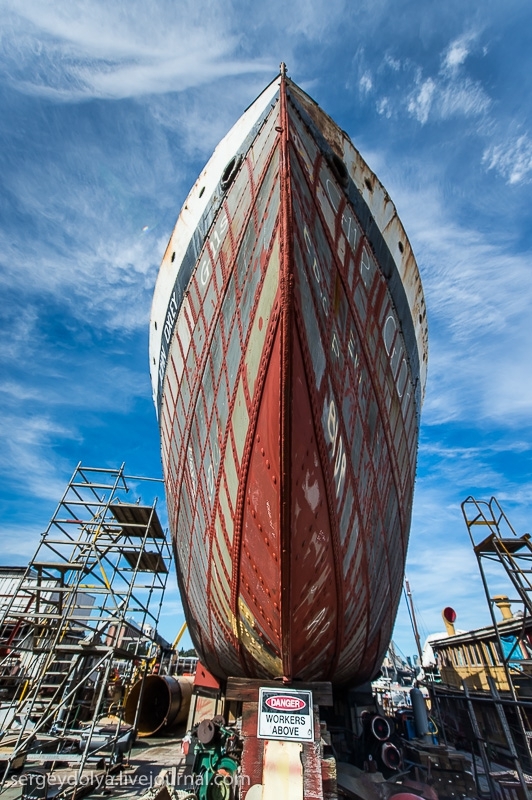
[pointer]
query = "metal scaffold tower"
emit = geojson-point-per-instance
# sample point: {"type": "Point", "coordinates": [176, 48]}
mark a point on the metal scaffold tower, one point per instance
{"type": "Point", "coordinates": [500, 552]}
{"type": "Point", "coordinates": [79, 624]}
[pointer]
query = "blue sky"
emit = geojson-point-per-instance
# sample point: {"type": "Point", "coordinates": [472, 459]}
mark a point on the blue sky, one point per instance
{"type": "Point", "coordinates": [108, 111]}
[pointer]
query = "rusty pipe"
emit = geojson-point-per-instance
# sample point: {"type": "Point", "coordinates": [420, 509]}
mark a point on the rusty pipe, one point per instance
{"type": "Point", "coordinates": [164, 704]}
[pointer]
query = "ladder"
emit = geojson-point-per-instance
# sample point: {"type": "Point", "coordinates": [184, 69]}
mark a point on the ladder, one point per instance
{"type": "Point", "coordinates": [499, 544]}
{"type": "Point", "coordinates": [87, 603]}
{"type": "Point", "coordinates": [499, 548]}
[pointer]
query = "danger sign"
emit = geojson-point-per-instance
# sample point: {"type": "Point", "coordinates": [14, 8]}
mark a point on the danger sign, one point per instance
{"type": "Point", "coordinates": [285, 714]}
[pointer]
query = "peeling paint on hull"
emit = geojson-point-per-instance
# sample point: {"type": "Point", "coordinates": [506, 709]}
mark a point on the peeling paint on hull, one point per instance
{"type": "Point", "coordinates": [289, 349]}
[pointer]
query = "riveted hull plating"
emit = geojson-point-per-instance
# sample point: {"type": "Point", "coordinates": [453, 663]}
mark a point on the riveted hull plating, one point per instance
{"type": "Point", "coordinates": [288, 353]}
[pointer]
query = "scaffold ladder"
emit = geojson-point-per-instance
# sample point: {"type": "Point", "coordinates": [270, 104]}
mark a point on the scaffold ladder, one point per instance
{"type": "Point", "coordinates": [498, 546]}
{"type": "Point", "coordinates": [88, 603]}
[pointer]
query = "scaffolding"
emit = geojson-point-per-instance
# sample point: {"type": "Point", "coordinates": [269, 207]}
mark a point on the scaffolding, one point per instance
{"type": "Point", "coordinates": [500, 552]}
{"type": "Point", "coordinates": [79, 624]}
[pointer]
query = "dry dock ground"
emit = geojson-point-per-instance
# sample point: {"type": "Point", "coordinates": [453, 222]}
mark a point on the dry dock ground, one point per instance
{"type": "Point", "coordinates": [152, 762]}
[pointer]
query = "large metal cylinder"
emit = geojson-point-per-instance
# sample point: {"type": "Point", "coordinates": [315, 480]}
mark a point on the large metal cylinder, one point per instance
{"type": "Point", "coordinates": [421, 719]}
{"type": "Point", "coordinates": [164, 703]}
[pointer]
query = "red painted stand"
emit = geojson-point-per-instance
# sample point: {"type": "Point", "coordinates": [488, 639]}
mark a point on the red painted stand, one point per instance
{"type": "Point", "coordinates": [318, 775]}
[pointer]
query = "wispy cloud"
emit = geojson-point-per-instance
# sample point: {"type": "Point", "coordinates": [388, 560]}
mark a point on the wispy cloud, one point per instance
{"type": "Point", "coordinates": [109, 112]}
{"type": "Point", "coordinates": [79, 50]}
{"type": "Point", "coordinates": [393, 63]}
{"type": "Point", "coordinates": [442, 567]}
{"type": "Point", "coordinates": [366, 83]}
{"type": "Point", "coordinates": [513, 159]}
{"type": "Point", "coordinates": [402, 85]}
{"type": "Point", "coordinates": [99, 50]}
{"type": "Point", "coordinates": [453, 85]}
{"type": "Point", "coordinates": [19, 542]}
{"type": "Point", "coordinates": [384, 107]}
{"type": "Point", "coordinates": [27, 454]}
{"type": "Point", "coordinates": [478, 294]}
{"type": "Point", "coordinates": [449, 93]}
{"type": "Point", "coordinates": [111, 281]}
{"type": "Point", "coordinates": [457, 52]}
{"type": "Point", "coordinates": [466, 98]}
{"type": "Point", "coordinates": [421, 100]}
{"type": "Point", "coordinates": [82, 225]}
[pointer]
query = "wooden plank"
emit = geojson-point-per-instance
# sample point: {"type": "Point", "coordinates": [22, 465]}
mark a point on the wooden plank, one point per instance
{"type": "Point", "coordinates": [328, 778]}
{"type": "Point", "coordinates": [247, 689]}
{"type": "Point", "coordinates": [252, 754]}
{"type": "Point", "coordinates": [311, 760]}
{"type": "Point", "coordinates": [282, 772]}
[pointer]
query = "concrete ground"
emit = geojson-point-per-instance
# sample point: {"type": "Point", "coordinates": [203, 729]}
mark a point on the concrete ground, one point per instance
{"type": "Point", "coordinates": [151, 763]}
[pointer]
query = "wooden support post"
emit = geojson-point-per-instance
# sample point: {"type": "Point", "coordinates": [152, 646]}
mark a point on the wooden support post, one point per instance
{"type": "Point", "coordinates": [278, 769]}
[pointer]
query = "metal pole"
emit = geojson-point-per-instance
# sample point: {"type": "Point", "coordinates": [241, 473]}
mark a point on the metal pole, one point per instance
{"type": "Point", "coordinates": [480, 741]}
{"type": "Point", "coordinates": [434, 695]}
{"type": "Point", "coordinates": [414, 622]}
{"type": "Point", "coordinates": [508, 736]}
{"type": "Point", "coordinates": [137, 710]}
{"type": "Point", "coordinates": [104, 679]}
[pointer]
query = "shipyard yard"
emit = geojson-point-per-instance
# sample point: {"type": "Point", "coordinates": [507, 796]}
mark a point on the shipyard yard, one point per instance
{"type": "Point", "coordinates": [151, 765]}
{"type": "Point", "coordinates": [295, 301]}
{"type": "Point", "coordinates": [100, 757]}
{"type": "Point", "coordinates": [288, 353]}
{"type": "Point", "coordinates": [94, 702]}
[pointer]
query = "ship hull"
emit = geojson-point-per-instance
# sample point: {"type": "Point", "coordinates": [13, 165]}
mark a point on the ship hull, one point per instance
{"type": "Point", "coordinates": [288, 374]}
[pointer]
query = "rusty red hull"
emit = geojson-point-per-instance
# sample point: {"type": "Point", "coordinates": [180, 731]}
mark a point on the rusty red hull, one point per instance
{"type": "Point", "coordinates": [288, 355]}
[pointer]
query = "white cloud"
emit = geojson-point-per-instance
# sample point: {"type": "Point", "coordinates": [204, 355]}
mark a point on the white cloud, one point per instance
{"type": "Point", "coordinates": [111, 281]}
{"type": "Point", "coordinates": [26, 454]}
{"type": "Point", "coordinates": [143, 77]}
{"type": "Point", "coordinates": [465, 98]}
{"type": "Point", "coordinates": [98, 380]}
{"type": "Point", "coordinates": [457, 52]}
{"type": "Point", "coordinates": [79, 49]}
{"type": "Point", "coordinates": [447, 95]}
{"type": "Point", "coordinates": [432, 98]}
{"type": "Point", "coordinates": [311, 18]}
{"type": "Point", "coordinates": [200, 119]}
{"type": "Point", "coordinates": [384, 107]}
{"type": "Point", "coordinates": [19, 542]}
{"type": "Point", "coordinates": [366, 83]}
{"type": "Point", "coordinates": [513, 160]}
{"type": "Point", "coordinates": [456, 464]}
{"type": "Point", "coordinates": [420, 101]}
{"type": "Point", "coordinates": [20, 327]}
{"type": "Point", "coordinates": [478, 293]}
{"type": "Point", "coordinates": [393, 63]}
{"type": "Point", "coordinates": [107, 51]}
{"type": "Point", "coordinates": [70, 50]}
{"type": "Point", "coordinates": [93, 210]}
